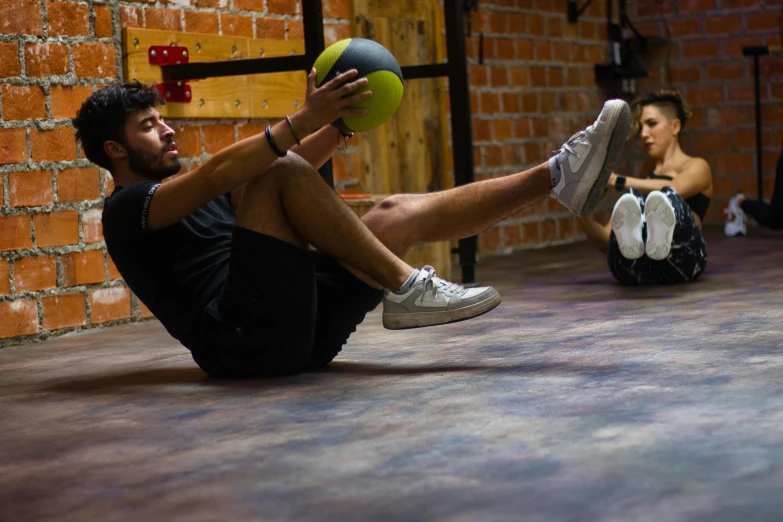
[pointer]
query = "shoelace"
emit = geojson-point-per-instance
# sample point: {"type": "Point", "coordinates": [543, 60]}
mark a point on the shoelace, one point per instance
{"type": "Point", "coordinates": [574, 140]}
{"type": "Point", "coordinates": [437, 284]}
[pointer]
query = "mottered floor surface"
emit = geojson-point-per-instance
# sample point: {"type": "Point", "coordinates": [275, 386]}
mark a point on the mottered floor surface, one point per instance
{"type": "Point", "coordinates": [575, 400]}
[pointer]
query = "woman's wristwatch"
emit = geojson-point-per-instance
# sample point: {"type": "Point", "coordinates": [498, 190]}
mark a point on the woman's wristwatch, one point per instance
{"type": "Point", "coordinates": [619, 183]}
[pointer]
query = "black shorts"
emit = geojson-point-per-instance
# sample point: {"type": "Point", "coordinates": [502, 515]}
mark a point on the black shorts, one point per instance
{"type": "Point", "coordinates": [282, 310]}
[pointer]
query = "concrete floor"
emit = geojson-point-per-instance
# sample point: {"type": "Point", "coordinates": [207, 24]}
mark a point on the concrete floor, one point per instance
{"type": "Point", "coordinates": [575, 400]}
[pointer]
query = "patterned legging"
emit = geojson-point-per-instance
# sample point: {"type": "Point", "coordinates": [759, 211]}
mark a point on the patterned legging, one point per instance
{"type": "Point", "coordinates": [686, 261]}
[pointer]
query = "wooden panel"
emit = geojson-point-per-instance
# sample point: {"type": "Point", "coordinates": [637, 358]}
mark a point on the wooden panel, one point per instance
{"type": "Point", "coordinates": [256, 96]}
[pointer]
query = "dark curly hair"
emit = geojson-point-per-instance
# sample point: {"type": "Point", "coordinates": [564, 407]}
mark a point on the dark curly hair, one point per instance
{"type": "Point", "coordinates": [103, 115]}
{"type": "Point", "coordinates": [669, 102]}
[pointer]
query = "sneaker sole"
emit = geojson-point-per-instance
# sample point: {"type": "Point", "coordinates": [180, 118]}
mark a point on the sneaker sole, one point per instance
{"type": "Point", "coordinates": [614, 144]}
{"type": "Point", "coordinates": [422, 319]}
{"type": "Point", "coordinates": [627, 227]}
{"type": "Point", "coordinates": [661, 221]}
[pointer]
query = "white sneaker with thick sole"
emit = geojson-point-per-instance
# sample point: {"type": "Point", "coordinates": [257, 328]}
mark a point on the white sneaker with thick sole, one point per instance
{"type": "Point", "coordinates": [735, 219]}
{"type": "Point", "coordinates": [627, 226]}
{"type": "Point", "coordinates": [586, 160]}
{"type": "Point", "coordinates": [661, 220]}
{"type": "Point", "coordinates": [431, 301]}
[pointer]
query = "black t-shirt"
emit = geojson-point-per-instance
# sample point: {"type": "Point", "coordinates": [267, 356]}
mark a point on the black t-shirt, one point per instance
{"type": "Point", "coordinates": [177, 270]}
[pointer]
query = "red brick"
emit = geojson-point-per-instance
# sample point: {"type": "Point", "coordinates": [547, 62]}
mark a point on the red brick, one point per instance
{"type": "Point", "coordinates": [705, 95]}
{"type": "Point", "coordinates": [217, 137]}
{"type": "Point", "coordinates": [537, 76]}
{"type": "Point", "coordinates": [131, 17]}
{"type": "Point", "coordinates": [144, 311]}
{"type": "Point", "coordinates": [81, 268]}
{"type": "Point", "coordinates": [56, 228]}
{"type": "Point", "coordinates": [294, 30]}
{"type": "Point", "coordinates": [511, 103]}
{"type": "Point", "coordinates": [20, 317]}
{"type": "Point", "coordinates": [92, 226]}
{"type": "Point", "coordinates": [733, 46]}
{"type": "Point", "coordinates": [709, 141]}
{"type": "Point", "coordinates": [249, 5]}
{"type": "Point", "coordinates": [197, 22]}
{"type": "Point", "coordinates": [64, 311]}
{"type": "Point", "coordinates": [103, 23]}
{"type": "Point", "coordinates": [212, 3]}
{"type": "Point", "coordinates": [695, 6]}
{"type": "Point", "coordinates": [522, 129]}
{"type": "Point", "coordinates": [533, 153]}
{"type": "Point", "coordinates": [35, 273]}
{"type": "Point", "coordinates": [5, 278]}
{"type": "Point", "coordinates": [685, 74]}
{"type": "Point", "coordinates": [531, 233]}
{"type": "Point", "coordinates": [9, 60]}
{"type": "Point", "coordinates": [556, 77]}
{"type": "Point", "coordinates": [725, 116]}
{"type": "Point", "coordinates": [80, 184]}
{"type": "Point", "coordinates": [67, 100]}
{"type": "Point", "coordinates": [94, 60]}
{"type": "Point", "coordinates": [478, 76]}
{"type": "Point", "coordinates": [338, 8]}
{"type": "Point", "coordinates": [733, 164]}
{"type": "Point", "coordinates": [270, 28]}
{"type": "Point", "coordinates": [21, 17]}
{"type": "Point", "coordinates": [490, 103]}
{"type": "Point", "coordinates": [501, 129]}
{"type": "Point", "coordinates": [720, 25]}
{"type": "Point", "coordinates": [745, 139]}
{"type": "Point", "coordinates": [697, 49]}
{"type": "Point", "coordinates": [249, 129]}
{"type": "Point", "coordinates": [530, 102]}
{"type": "Point", "coordinates": [46, 59]}
{"type": "Point", "coordinates": [237, 25]}
{"type": "Point", "coordinates": [13, 146]}
{"type": "Point", "coordinates": [114, 274]}
{"type": "Point", "coordinates": [109, 304]}
{"type": "Point", "coordinates": [15, 233]}
{"type": "Point", "coordinates": [23, 102]}
{"type": "Point", "coordinates": [684, 27]}
{"type": "Point", "coordinates": [489, 241]}
{"type": "Point", "coordinates": [725, 71]}
{"type": "Point", "coordinates": [30, 189]}
{"type": "Point", "coordinates": [481, 130]}
{"type": "Point", "coordinates": [67, 18]}
{"type": "Point", "coordinates": [163, 19]}
{"type": "Point", "coordinates": [53, 145]}
{"type": "Point", "coordinates": [762, 21]}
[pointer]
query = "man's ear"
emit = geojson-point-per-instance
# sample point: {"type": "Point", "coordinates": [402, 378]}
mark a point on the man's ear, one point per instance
{"type": "Point", "coordinates": [114, 150]}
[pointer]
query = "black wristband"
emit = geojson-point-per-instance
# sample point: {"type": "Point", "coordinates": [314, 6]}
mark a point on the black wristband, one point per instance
{"type": "Point", "coordinates": [619, 183]}
{"type": "Point", "coordinates": [272, 143]}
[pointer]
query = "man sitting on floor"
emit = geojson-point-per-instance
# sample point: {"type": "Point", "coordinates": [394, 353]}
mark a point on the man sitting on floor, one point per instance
{"type": "Point", "coordinates": [221, 254]}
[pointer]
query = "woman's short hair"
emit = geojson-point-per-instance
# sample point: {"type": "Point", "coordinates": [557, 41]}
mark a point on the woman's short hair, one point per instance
{"type": "Point", "coordinates": [668, 101]}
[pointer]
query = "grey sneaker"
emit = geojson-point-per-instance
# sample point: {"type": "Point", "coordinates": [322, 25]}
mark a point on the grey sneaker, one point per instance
{"type": "Point", "coordinates": [431, 301]}
{"type": "Point", "coordinates": [586, 160]}
{"type": "Point", "coordinates": [661, 220]}
{"type": "Point", "coordinates": [627, 226]}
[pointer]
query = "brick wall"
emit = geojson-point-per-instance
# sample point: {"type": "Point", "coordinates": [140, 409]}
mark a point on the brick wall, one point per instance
{"type": "Point", "coordinates": [533, 91]}
{"type": "Point", "coordinates": [704, 60]}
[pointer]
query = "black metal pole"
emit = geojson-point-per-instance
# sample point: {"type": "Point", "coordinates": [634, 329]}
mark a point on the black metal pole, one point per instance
{"type": "Point", "coordinates": [759, 167]}
{"type": "Point", "coordinates": [461, 131]}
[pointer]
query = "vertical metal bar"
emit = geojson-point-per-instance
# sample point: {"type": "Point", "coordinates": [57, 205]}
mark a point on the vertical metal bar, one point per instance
{"type": "Point", "coordinates": [313, 18]}
{"type": "Point", "coordinates": [759, 167]}
{"type": "Point", "coordinates": [461, 131]}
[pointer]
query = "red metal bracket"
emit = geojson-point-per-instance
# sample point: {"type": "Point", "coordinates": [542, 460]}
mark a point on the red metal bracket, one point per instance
{"type": "Point", "coordinates": [172, 91]}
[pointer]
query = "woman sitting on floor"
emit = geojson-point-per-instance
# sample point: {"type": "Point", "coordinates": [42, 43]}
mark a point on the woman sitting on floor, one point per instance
{"type": "Point", "coordinates": [769, 215]}
{"type": "Point", "coordinates": [654, 235]}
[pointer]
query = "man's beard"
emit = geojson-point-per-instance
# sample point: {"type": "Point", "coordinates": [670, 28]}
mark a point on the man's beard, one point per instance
{"type": "Point", "coordinates": [151, 165]}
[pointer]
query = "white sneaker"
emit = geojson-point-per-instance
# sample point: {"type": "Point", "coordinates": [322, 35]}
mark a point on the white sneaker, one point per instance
{"type": "Point", "coordinates": [585, 161]}
{"type": "Point", "coordinates": [735, 226]}
{"type": "Point", "coordinates": [431, 301]}
{"type": "Point", "coordinates": [627, 226]}
{"type": "Point", "coordinates": [661, 220]}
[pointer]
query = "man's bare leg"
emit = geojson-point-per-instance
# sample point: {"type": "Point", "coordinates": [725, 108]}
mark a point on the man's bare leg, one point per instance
{"type": "Point", "coordinates": [401, 220]}
{"type": "Point", "coordinates": [291, 202]}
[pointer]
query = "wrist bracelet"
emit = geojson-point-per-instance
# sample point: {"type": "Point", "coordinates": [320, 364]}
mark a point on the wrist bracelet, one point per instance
{"type": "Point", "coordinates": [272, 143]}
{"type": "Point", "coordinates": [619, 183]}
{"type": "Point", "coordinates": [345, 136]}
{"type": "Point", "coordinates": [293, 131]}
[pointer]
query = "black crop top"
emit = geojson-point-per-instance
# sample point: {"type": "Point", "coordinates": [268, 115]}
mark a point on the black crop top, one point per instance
{"type": "Point", "coordinates": [698, 203]}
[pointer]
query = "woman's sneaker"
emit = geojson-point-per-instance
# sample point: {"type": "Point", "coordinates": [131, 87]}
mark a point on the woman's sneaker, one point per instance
{"type": "Point", "coordinates": [735, 219]}
{"type": "Point", "coordinates": [661, 220]}
{"type": "Point", "coordinates": [627, 226]}
{"type": "Point", "coordinates": [585, 161]}
{"type": "Point", "coordinates": [430, 301]}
